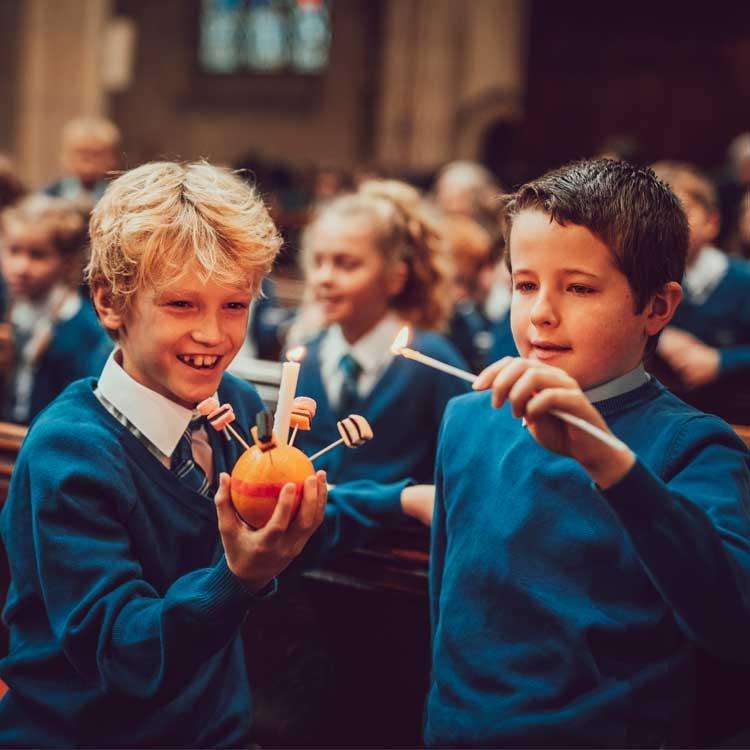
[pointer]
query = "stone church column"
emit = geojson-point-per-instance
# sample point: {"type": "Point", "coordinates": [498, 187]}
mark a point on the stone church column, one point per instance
{"type": "Point", "coordinates": [448, 68]}
{"type": "Point", "coordinates": [59, 77]}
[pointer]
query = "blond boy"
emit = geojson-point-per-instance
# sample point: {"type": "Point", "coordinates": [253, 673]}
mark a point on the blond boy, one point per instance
{"type": "Point", "coordinates": [127, 595]}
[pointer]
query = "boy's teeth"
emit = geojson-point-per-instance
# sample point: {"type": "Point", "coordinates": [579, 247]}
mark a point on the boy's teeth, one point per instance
{"type": "Point", "coordinates": [199, 360]}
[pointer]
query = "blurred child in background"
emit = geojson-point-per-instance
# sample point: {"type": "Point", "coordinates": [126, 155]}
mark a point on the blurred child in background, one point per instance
{"type": "Point", "coordinates": [52, 336]}
{"type": "Point", "coordinates": [11, 186]}
{"type": "Point", "coordinates": [11, 190]}
{"type": "Point", "coordinates": [468, 189]}
{"type": "Point", "coordinates": [479, 338]}
{"type": "Point", "coordinates": [707, 345]}
{"type": "Point", "coordinates": [90, 150]}
{"type": "Point", "coordinates": [373, 264]}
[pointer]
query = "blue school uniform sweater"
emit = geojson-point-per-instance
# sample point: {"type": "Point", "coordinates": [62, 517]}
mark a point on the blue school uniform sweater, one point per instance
{"type": "Point", "coordinates": [723, 319]}
{"type": "Point", "coordinates": [404, 410]}
{"type": "Point", "coordinates": [470, 331]}
{"type": "Point", "coordinates": [78, 349]}
{"type": "Point", "coordinates": [567, 616]}
{"type": "Point", "coordinates": [503, 344]}
{"type": "Point", "coordinates": [124, 618]}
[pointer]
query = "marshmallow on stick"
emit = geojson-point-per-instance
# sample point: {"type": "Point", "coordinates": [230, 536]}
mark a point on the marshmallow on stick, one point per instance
{"type": "Point", "coordinates": [399, 348]}
{"type": "Point", "coordinates": [303, 411]}
{"type": "Point", "coordinates": [355, 430]}
{"type": "Point", "coordinates": [220, 417]}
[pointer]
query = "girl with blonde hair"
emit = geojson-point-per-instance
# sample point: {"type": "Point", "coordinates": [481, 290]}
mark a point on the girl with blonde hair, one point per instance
{"type": "Point", "coordinates": [374, 262]}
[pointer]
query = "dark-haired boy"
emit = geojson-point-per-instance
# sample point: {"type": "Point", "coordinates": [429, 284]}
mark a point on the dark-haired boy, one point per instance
{"type": "Point", "coordinates": [707, 344]}
{"type": "Point", "coordinates": [571, 582]}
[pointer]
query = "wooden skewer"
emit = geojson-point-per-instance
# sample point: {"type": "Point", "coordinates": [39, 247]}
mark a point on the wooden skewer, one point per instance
{"type": "Point", "coordinates": [294, 435]}
{"type": "Point", "coordinates": [326, 449]}
{"type": "Point", "coordinates": [238, 436]}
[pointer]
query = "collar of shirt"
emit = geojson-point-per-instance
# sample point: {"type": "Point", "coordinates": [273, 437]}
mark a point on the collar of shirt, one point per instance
{"type": "Point", "coordinates": [159, 419]}
{"type": "Point", "coordinates": [708, 269]}
{"type": "Point", "coordinates": [372, 352]}
{"type": "Point", "coordinates": [29, 316]}
{"type": "Point", "coordinates": [619, 386]}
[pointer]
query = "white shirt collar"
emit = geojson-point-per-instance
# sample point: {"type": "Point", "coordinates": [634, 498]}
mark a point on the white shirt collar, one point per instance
{"type": "Point", "coordinates": [161, 420]}
{"type": "Point", "coordinates": [619, 386]}
{"type": "Point", "coordinates": [372, 351]}
{"type": "Point", "coordinates": [704, 275]}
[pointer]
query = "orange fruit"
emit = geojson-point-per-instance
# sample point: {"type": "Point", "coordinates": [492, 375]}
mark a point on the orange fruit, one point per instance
{"type": "Point", "coordinates": [257, 479]}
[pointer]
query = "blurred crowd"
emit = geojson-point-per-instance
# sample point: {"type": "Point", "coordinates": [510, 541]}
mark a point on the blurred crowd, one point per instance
{"type": "Point", "coordinates": [360, 246]}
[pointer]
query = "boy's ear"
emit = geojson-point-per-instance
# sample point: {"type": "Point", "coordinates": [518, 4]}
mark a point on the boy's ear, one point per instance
{"type": "Point", "coordinates": [110, 316]}
{"type": "Point", "coordinates": [661, 308]}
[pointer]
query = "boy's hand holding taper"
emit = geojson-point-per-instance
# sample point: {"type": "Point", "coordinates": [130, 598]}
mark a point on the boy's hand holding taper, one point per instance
{"type": "Point", "coordinates": [258, 556]}
{"type": "Point", "coordinates": [534, 389]}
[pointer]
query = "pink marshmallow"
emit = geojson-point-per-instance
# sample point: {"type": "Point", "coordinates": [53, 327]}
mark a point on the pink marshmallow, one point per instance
{"type": "Point", "coordinates": [209, 405]}
{"type": "Point", "coordinates": [221, 417]}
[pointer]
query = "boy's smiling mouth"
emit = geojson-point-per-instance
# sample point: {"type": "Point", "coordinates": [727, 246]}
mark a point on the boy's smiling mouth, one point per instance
{"type": "Point", "coordinates": [200, 361]}
{"type": "Point", "coordinates": [547, 349]}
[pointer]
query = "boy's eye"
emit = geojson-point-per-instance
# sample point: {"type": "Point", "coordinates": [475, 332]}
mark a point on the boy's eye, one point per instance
{"type": "Point", "coordinates": [180, 304]}
{"type": "Point", "coordinates": [525, 286]}
{"type": "Point", "coordinates": [580, 289]}
{"type": "Point", "coordinates": [238, 305]}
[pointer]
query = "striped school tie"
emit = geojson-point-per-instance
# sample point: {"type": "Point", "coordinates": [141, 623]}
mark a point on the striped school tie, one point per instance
{"type": "Point", "coordinates": [185, 466]}
{"type": "Point", "coordinates": [348, 394]}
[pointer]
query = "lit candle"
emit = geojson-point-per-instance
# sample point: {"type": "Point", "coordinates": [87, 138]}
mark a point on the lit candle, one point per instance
{"type": "Point", "coordinates": [399, 347]}
{"type": "Point", "coordinates": [287, 389]}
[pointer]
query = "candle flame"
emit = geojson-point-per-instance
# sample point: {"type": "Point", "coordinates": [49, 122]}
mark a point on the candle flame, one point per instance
{"type": "Point", "coordinates": [401, 340]}
{"type": "Point", "coordinates": [296, 354]}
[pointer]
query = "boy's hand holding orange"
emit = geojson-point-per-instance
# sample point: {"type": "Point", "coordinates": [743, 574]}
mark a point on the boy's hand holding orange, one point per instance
{"type": "Point", "coordinates": [258, 556]}
{"type": "Point", "coordinates": [534, 389]}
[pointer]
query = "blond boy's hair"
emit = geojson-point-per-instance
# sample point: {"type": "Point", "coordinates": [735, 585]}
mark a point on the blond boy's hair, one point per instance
{"type": "Point", "coordinates": [91, 130]}
{"type": "Point", "coordinates": [159, 220]}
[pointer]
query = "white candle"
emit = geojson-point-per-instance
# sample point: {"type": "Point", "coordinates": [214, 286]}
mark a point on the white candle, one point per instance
{"type": "Point", "coordinates": [399, 347]}
{"type": "Point", "coordinates": [287, 390]}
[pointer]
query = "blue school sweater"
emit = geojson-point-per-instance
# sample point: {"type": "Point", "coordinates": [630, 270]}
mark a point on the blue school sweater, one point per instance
{"type": "Point", "coordinates": [404, 410]}
{"type": "Point", "coordinates": [470, 331]}
{"type": "Point", "coordinates": [567, 616]}
{"type": "Point", "coordinates": [503, 344]}
{"type": "Point", "coordinates": [79, 348]}
{"type": "Point", "coordinates": [124, 617]}
{"type": "Point", "coordinates": [723, 319]}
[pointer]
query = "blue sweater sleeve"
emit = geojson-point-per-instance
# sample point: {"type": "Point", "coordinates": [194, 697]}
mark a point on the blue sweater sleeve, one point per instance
{"type": "Point", "coordinates": [355, 511]}
{"type": "Point", "coordinates": [692, 533]}
{"type": "Point", "coordinates": [114, 627]}
{"type": "Point", "coordinates": [734, 359]}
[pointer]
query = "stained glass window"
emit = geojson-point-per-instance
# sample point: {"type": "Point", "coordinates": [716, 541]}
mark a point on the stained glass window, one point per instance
{"type": "Point", "coordinates": [265, 36]}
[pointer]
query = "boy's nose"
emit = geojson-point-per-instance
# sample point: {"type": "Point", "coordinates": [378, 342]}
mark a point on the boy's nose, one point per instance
{"type": "Point", "coordinates": [543, 312]}
{"type": "Point", "coordinates": [209, 331]}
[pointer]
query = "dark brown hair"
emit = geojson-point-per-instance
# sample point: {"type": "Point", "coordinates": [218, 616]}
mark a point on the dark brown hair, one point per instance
{"type": "Point", "coordinates": [635, 214]}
